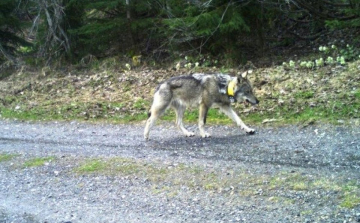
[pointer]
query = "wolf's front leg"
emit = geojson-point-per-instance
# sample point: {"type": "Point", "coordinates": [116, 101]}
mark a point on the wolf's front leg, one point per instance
{"type": "Point", "coordinates": [203, 109]}
{"type": "Point", "coordinates": [231, 114]}
{"type": "Point", "coordinates": [179, 111]}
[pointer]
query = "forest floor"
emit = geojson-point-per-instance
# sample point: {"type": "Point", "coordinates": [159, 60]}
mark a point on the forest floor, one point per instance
{"type": "Point", "coordinates": [110, 93]}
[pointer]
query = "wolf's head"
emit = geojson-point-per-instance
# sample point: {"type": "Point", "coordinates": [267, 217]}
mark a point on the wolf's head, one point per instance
{"type": "Point", "coordinates": [240, 88]}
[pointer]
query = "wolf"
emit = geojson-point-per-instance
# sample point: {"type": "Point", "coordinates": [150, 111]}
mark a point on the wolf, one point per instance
{"type": "Point", "coordinates": [203, 90]}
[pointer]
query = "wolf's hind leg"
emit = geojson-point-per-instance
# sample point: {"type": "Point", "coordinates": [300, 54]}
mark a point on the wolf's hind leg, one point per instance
{"type": "Point", "coordinates": [203, 110]}
{"type": "Point", "coordinates": [231, 114]}
{"type": "Point", "coordinates": [179, 111]}
{"type": "Point", "coordinates": [149, 123]}
{"type": "Point", "coordinates": [157, 109]}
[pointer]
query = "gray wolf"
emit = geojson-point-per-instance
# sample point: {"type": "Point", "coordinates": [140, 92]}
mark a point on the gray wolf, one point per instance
{"type": "Point", "coordinates": [205, 91]}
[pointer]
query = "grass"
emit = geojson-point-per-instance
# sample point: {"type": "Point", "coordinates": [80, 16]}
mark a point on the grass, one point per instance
{"type": "Point", "coordinates": [119, 166]}
{"type": "Point", "coordinates": [32, 115]}
{"type": "Point", "coordinates": [232, 181]}
{"type": "Point", "coordinates": [331, 112]}
{"type": "Point", "coordinates": [351, 194]}
{"type": "Point", "coordinates": [4, 157]}
{"type": "Point", "coordinates": [357, 94]}
{"type": "Point", "coordinates": [304, 94]}
{"type": "Point", "coordinates": [91, 166]}
{"type": "Point", "coordinates": [39, 161]}
{"type": "Point", "coordinates": [350, 200]}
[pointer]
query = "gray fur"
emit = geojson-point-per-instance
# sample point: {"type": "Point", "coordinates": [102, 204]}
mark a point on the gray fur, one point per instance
{"type": "Point", "coordinates": [203, 90]}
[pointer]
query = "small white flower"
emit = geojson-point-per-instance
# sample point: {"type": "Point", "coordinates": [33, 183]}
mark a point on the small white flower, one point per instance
{"type": "Point", "coordinates": [310, 64]}
{"type": "Point", "coordinates": [330, 60]}
{"type": "Point", "coordinates": [342, 61]}
{"type": "Point", "coordinates": [291, 63]}
{"type": "Point", "coordinates": [319, 62]}
{"type": "Point", "coordinates": [196, 64]}
{"type": "Point", "coordinates": [303, 64]}
{"type": "Point", "coordinates": [178, 66]}
{"type": "Point", "coordinates": [128, 66]}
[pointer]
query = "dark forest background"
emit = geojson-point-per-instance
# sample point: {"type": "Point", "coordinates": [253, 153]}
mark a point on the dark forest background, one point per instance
{"type": "Point", "coordinates": [60, 32]}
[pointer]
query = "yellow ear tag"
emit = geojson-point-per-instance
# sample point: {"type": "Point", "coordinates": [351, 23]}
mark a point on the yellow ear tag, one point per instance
{"type": "Point", "coordinates": [231, 87]}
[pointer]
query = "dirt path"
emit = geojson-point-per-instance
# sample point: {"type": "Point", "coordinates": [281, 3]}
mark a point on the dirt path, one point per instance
{"type": "Point", "coordinates": [285, 174]}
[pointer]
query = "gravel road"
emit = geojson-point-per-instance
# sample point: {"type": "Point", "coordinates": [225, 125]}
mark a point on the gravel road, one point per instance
{"type": "Point", "coordinates": [280, 174]}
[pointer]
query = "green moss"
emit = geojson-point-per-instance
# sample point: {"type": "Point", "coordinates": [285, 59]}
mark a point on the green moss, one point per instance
{"type": "Point", "coordinates": [92, 166]}
{"type": "Point", "coordinates": [120, 166]}
{"type": "Point", "coordinates": [350, 200]}
{"type": "Point", "coordinates": [40, 161]}
{"type": "Point", "coordinates": [6, 157]}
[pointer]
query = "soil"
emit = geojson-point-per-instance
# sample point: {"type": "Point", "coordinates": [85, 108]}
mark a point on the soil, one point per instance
{"type": "Point", "coordinates": [279, 174]}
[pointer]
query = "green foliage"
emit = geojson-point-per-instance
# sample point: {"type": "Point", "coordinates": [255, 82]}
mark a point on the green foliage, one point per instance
{"type": "Point", "coordinates": [329, 55]}
{"type": "Point", "coordinates": [105, 29]}
{"type": "Point", "coordinates": [228, 30]}
{"type": "Point", "coordinates": [350, 53]}
{"type": "Point", "coordinates": [210, 29]}
{"type": "Point", "coordinates": [10, 28]}
{"type": "Point", "coordinates": [341, 24]}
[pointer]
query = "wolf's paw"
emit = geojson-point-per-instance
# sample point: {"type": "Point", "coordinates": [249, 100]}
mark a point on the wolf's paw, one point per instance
{"type": "Point", "coordinates": [205, 135]}
{"type": "Point", "coordinates": [250, 131]}
{"type": "Point", "coordinates": [189, 134]}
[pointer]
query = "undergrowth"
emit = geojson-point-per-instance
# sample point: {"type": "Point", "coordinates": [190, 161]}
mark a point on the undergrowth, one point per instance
{"type": "Point", "coordinates": [327, 94]}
